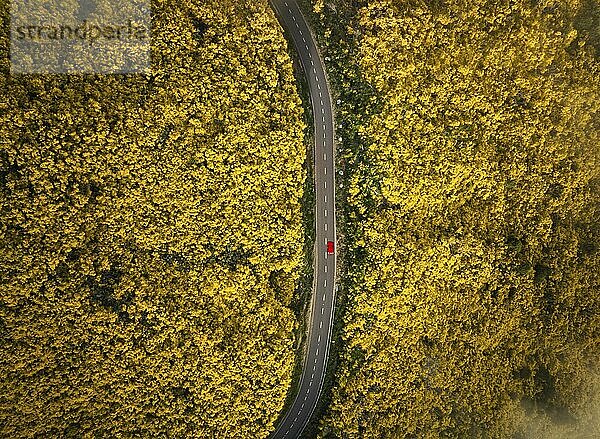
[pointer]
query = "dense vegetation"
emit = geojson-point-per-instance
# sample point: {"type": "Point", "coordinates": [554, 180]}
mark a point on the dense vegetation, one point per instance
{"type": "Point", "coordinates": [474, 207]}
{"type": "Point", "coordinates": [150, 235]}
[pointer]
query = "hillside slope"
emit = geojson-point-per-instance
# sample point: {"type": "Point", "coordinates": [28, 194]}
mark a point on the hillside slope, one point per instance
{"type": "Point", "coordinates": [473, 207]}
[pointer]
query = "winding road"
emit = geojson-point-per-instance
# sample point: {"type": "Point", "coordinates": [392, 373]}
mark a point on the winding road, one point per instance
{"type": "Point", "coordinates": [322, 306]}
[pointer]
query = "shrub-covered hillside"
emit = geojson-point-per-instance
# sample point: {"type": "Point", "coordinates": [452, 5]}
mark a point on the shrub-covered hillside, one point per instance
{"type": "Point", "coordinates": [150, 235]}
{"type": "Point", "coordinates": [474, 210]}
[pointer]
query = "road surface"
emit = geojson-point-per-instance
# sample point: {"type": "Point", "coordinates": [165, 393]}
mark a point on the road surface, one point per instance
{"type": "Point", "coordinates": [321, 316]}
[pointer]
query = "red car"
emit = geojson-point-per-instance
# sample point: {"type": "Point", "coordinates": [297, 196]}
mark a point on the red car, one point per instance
{"type": "Point", "coordinates": [330, 247]}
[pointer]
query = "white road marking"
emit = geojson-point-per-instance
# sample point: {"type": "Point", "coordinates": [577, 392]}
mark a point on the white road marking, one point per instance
{"type": "Point", "coordinates": [325, 184]}
{"type": "Point", "coordinates": [325, 268]}
{"type": "Point", "coordinates": [325, 226]}
{"type": "Point", "coordinates": [323, 111]}
{"type": "Point", "coordinates": [325, 197]}
{"type": "Point", "coordinates": [321, 102]}
{"type": "Point", "coordinates": [322, 311]}
{"type": "Point", "coordinates": [317, 353]}
{"type": "Point", "coordinates": [321, 95]}
{"type": "Point", "coordinates": [321, 324]}
{"type": "Point", "coordinates": [324, 297]}
{"type": "Point", "coordinates": [325, 212]}
{"type": "Point", "coordinates": [325, 171]}
{"type": "Point", "coordinates": [319, 340]}
{"type": "Point", "coordinates": [325, 284]}
{"type": "Point", "coordinates": [325, 156]}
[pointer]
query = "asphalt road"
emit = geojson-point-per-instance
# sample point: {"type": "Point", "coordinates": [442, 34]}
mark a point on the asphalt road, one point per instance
{"type": "Point", "coordinates": [321, 317]}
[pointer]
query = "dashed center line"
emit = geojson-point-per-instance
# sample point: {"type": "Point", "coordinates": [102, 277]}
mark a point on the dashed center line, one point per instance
{"type": "Point", "coordinates": [304, 42]}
